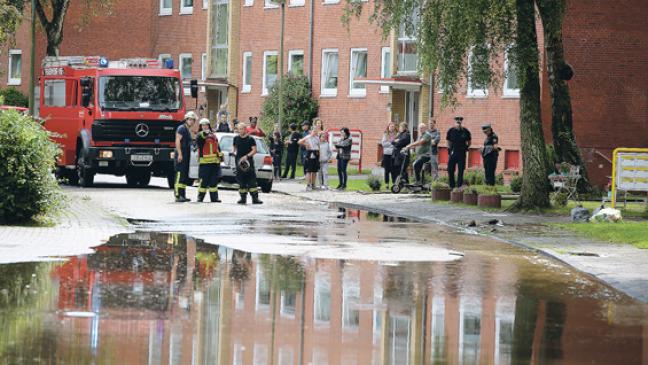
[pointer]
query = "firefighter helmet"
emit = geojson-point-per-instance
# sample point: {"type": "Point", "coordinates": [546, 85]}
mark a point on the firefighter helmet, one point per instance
{"type": "Point", "coordinates": [191, 115]}
{"type": "Point", "coordinates": [205, 121]}
{"type": "Point", "coordinates": [244, 165]}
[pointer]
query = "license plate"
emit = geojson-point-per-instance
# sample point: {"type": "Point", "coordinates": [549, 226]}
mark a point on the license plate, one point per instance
{"type": "Point", "coordinates": [103, 163]}
{"type": "Point", "coordinates": [141, 158]}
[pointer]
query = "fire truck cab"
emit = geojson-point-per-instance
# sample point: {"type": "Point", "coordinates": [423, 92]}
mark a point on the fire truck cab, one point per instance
{"type": "Point", "coordinates": [112, 117]}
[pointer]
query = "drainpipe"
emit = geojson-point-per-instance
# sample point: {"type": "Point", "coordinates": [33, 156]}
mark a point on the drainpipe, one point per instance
{"type": "Point", "coordinates": [310, 44]}
{"type": "Point", "coordinates": [431, 96]}
{"type": "Point", "coordinates": [281, 61]}
{"type": "Point", "coordinates": [32, 60]}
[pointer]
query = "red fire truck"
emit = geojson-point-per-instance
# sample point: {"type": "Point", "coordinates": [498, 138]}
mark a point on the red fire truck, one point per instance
{"type": "Point", "coordinates": [112, 117]}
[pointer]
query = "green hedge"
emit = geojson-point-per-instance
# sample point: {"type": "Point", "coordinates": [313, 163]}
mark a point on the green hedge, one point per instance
{"type": "Point", "coordinates": [14, 97]}
{"type": "Point", "coordinates": [28, 189]}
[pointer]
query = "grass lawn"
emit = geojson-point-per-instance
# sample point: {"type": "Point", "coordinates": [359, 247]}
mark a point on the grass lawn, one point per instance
{"type": "Point", "coordinates": [332, 170]}
{"type": "Point", "coordinates": [634, 233]}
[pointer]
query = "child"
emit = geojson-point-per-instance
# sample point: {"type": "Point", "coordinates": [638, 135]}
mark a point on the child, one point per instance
{"type": "Point", "coordinates": [209, 159]}
{"type": "Point", "coordinates": [244, 149]}
{"type": "Point", "coordinates": [325, 157]}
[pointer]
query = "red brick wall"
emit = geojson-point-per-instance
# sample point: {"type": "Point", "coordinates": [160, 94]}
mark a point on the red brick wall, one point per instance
{"type": "Point", "coordinates": [370, 113]}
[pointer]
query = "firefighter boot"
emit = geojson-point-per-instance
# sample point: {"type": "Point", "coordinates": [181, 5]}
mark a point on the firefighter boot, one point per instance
{"type": "Point", "coordinates": [182, 196]}
{"type": "Point", "coordinates": [255, 198]}
{"type": "Point", "coordinates": [201, 197]}
{"type": "Point", "coordinates": [243, 199]}
{"type": "Point", "coordinates": [213, 196]}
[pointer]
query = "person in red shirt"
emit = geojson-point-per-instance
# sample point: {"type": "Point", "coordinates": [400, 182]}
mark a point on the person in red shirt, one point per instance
{"type": "Point", "coordinates": [254, 129]}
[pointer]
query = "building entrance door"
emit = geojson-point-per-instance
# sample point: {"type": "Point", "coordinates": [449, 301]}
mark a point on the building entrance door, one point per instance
{"type": "Point", "coordinates": [412, 112]}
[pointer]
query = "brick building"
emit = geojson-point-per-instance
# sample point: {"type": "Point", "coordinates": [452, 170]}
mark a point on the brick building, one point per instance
{"type": "Point", "coordinates": [361, 80]}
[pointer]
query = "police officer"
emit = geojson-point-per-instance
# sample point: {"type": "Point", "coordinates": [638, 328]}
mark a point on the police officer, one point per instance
{"type": "Point", "coordinates": [490, 153]}
{"type": "Point", "coordinates": [209, 159]}
{"type": "Point", "coordinates": [182, 156]}
{"type": "Point", "coordinates": [244, 149]}
{"type": "Point", "coordinates": [458, 139]}
{"type": "Point", "coordinates": [292, 149]}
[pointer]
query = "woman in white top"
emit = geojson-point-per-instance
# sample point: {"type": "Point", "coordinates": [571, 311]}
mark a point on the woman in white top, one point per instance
{"type": "Point", "coordinates": [311, 162]}
{"type": "Point", "coordinates": [325, 156]}
{"type": "Point", "coordinates": [388, 152]}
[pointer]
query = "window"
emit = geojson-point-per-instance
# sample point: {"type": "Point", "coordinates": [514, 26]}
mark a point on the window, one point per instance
{"type": "Point", "coordinates": [385, 67]}
{"type": "Point", "coordinates": [186, 69]}
{"type": "Point", "coordinates": [296, 62]}
{"type": "Point", "coordinates": [205, 4]}
{"type": "Point", "coordinates": [350, 299]}
{"type": "Point", "coordinates": [270, 70]}
{"type": "Point", "coordinates": [288, 303]}
{"type": "Point", "coordinates": [163, 59]}
{"type": "Point", "coordinates": [331, 1]}
{"type": "Point", "coordinates": [54, 93]}
{"type": "Point", "coordinates": [203, 66]}
{"type": "Point", "coordinates": [511, 84]}
{"type": "Point", "coordinates": [297, 3]}
{"type": "Point", "coordinates": [15, 67]}
{"type": "Point", "coordinates": [329, 72]}
{"type": "Point", "coordinates": [247, 72]}
{"type": "Point", "coordinates": [269, 4]}
{"type": "Point", "coordinates": [358, 70]}
{"type": "Point", "coordinates": [262, 290]}
{"type": "Point", "coordinates": [219, 38]}
{"type": "Point", "coordinates": [322, 301]}
{"type": "Point", "coordinates": [165, 7]}
{"type": "Point", "coordinates": [248, 3]}
{"type": "Point", "coordinates": [186, 6]}
{"type": "Point", "coordinates": [475, 90]}
{"type": "Point", "coordinates": [407, 57]}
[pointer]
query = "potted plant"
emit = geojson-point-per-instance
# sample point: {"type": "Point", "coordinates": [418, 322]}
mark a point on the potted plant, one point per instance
{"type": "Point", "coordinates": [456, 195]}
{"type": "Point", "coordinates": [440, 191]}
{"type": "Point", "coordinates": [470, 196]}
{"type": "Point", "coordinates": [489, 198]}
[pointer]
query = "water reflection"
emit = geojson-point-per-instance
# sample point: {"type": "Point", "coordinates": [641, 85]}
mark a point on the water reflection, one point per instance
{"type": "Point", "coordinates": [150, 298]}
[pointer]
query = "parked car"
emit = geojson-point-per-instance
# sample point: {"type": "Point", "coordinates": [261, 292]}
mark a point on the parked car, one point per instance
{"type": "Point", "coordinates": [262, 162]}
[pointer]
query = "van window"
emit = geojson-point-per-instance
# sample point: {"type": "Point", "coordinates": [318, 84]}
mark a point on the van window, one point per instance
{"type": "Point", "coordinates": [54, 93]}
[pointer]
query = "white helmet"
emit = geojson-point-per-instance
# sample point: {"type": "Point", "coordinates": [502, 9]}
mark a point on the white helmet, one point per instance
{"type": "Point", "coordinates": [191, 115]}
{"type": "Point", "coordinates": [244, 165]}
{"type": "Point", "coordinates": [205, 121]}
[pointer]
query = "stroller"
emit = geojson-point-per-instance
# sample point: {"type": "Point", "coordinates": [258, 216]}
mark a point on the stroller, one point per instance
{"type": "Point", "coordinates": [400, 183]}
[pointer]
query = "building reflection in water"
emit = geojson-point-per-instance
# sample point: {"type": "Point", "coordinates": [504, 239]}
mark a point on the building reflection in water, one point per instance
{"type": "Point", "coordinates": [149, 298]}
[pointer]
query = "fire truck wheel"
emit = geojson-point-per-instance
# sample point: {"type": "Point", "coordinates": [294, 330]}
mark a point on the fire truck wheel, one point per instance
{"type": "Point", "coordinates": [85, 175]}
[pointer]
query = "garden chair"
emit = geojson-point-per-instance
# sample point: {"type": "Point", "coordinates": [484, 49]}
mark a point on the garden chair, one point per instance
{"type": "Point", "coordinates": [566, 180]}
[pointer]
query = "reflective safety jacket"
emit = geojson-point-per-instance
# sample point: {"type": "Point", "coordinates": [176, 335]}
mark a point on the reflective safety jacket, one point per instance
{"type": "Point", "coordinates": [208, 149]}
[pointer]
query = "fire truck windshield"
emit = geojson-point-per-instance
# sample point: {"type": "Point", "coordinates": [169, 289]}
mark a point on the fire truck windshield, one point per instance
{"type": "Point", "coordinates": [131, 93]}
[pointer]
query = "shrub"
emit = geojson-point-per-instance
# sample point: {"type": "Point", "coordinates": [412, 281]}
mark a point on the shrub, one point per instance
{"type": "Point", "coordinates": [14, 97]}
{"type": "Point", "coordinates": [499, 179]}
{"type": "Point", "coordinates": [487, 190]}
{"type": "Point", "coordinates": [298, 103]}
{"type": "Point", "coordinates": [437, 185]}
{"type": "Point", "coordinates": [374, 182]}
{"type": "Point", "coordinates": [516, 184]}
{"type": "Point", "coordinates": [470, 190]}
{"type": "Point", "coordinates": [474, 177]}
{"type": "Point", "coordinates": [558, 199]}
{"type": "Point", "coordinates": [28, 188]}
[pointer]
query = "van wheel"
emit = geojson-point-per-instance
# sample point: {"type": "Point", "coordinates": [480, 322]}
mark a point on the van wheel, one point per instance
{"type": "Point", "coordinates": [85, 175]}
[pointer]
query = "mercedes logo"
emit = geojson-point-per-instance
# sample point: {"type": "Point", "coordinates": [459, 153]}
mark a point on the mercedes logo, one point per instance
{"type": "Point", "coordinates": [142, 130]}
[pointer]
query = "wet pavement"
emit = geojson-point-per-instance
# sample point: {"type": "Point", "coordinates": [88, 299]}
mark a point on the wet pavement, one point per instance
{"type": "Point", "coordinates": [336, 287]}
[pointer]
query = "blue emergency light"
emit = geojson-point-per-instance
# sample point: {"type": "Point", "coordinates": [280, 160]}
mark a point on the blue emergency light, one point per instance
{"type": "Point", "coordinates": [168, 63]}
{"type": "Point", "coordinates": [103, 62]}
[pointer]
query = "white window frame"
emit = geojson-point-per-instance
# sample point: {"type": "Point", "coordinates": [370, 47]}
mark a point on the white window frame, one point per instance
{"type": "Point", "coordinates": [353, 91]}
{"type": "Point", "coordinates": [14, 81]}
{"type": "Point", "coordinates": [205, 4]}
{"type": "Point", "coordinates": [330, 2]}
{"type": "Point", "coordinates": [296, 3]}
{"type": "Point", "coordinates": [265, 59]}
{"type": "Point", "coordinates": [203, 66]}
{"type": "Point", "coordinates": [295, 52]}
{"type": "Point", "coordinates": [248, 3]}
{"type": "Point", "coordinates": [165, 11]}
{"type": "Point", "coordinates": [181, 58]}
{"type": "Point", "coordinates": [470, 92]}
{"type": "Point", "coordinates": [328, 92]}
{"type": "Point", "coordinates": [246, 88]}
{"type": "Point", "coordinates": [269, 4]}
{"type": "Point", "coordinates": [384, 59]}
{"type": "Point", "coordinates": [506, 91]}
{"type": "Point", "coordinates": [186, 10]}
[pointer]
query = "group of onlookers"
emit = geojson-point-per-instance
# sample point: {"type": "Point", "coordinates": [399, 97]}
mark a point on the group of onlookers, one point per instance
{"type": "Point", "coordinates": [396, 145]}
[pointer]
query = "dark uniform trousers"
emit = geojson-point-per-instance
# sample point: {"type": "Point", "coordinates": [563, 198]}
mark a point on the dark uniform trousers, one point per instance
{"type": "Point", "coordinates": [181, 178]}
{"type": "Point", "coordinates": [291, 163]}
{"type": "Point", "coordinates": [457, 161]}
{"type": "Point", "coordinates": [247, 179]}
{"type": "Point", "coordinates": [208, 174]}
{"type": "Point", "coordinates": [490, 164]}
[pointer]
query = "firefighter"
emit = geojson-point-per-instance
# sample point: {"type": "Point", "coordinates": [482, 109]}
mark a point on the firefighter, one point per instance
{"type": "Point", "coordinates": [182, 157]}
{"type": "Point", "coordinates": [244, 149]}
{"type": "Point", "coordinates": [210, 158]}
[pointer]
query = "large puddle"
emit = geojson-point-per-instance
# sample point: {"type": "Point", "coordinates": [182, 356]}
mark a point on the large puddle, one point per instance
{"type": "Point", "coordinates": [164, 298]}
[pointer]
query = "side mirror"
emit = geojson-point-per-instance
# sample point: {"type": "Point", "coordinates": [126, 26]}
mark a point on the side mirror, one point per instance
{"type": "Point", "coordinates": [194, 88]}
{"type": "Point", "coordinates": [86, 91]}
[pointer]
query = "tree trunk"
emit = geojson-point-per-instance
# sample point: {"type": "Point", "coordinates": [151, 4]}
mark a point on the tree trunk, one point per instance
{"type": "Point", "coordinates": [54, 27]}
{"type": "Point", "coordinates": [535, 191]}
{"type": "Point", "coordinates": [564, 142]}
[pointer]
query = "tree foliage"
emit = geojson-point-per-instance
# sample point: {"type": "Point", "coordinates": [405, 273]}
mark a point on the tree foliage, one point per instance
{"type": "Point", "coordinates": [13, 97]}
{"type": "Point", "coordinates": [10, 18]}
{"type": "Point", "coordinates": [298, 103]}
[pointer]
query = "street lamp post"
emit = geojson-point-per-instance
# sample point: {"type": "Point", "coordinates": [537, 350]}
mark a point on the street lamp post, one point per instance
{"type": "Point", "coordinates": [281, 61]}
{"type": "Point", "coordinates": [32, 61]}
